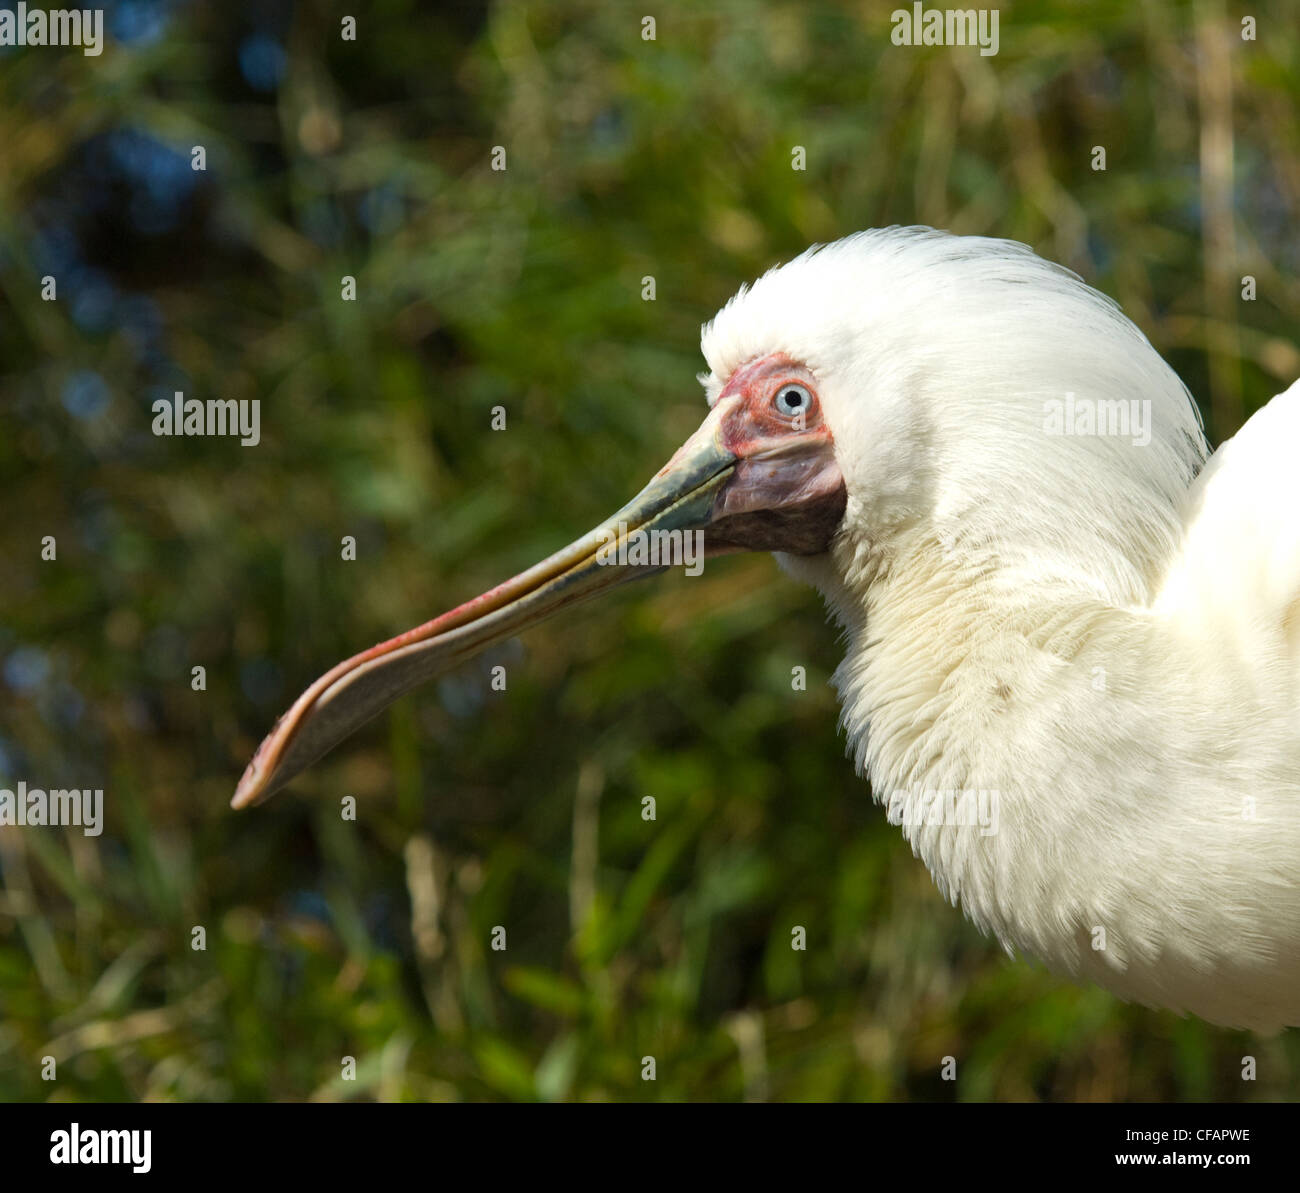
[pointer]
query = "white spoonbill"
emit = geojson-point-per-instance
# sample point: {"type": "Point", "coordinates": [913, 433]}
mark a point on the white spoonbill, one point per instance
{"type": "Point", "coordinates": [1054, 608]}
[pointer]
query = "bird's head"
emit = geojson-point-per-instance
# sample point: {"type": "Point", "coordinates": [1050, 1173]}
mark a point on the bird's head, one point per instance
{"type": "Point", "coordinates": [977, 397]}
{"type": "Point", "coordinates": [891, 382]}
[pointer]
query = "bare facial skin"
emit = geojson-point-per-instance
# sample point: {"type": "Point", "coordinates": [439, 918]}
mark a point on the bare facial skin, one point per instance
{"type": "Point", "coordinates": [787, 494]}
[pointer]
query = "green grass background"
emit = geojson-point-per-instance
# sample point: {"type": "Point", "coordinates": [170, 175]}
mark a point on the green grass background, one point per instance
{"type": "Point", "coordinates": [626, 158]}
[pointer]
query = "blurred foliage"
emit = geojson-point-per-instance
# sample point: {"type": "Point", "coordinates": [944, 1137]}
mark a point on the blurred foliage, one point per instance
{"type": "Point", "coordinates": [522, 288]}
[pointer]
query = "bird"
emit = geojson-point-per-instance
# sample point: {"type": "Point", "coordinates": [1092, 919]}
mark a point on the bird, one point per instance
{"type": "Point", "coordinates": [1072, 634]}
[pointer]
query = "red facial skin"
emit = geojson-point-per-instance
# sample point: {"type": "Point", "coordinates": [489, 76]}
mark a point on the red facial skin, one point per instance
{"type": "Point", "coordinates": [787, 493]}
{"type": "Point", "coordinates": [756, 384]}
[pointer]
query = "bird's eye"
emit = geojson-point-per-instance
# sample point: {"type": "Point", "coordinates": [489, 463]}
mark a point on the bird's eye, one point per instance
{"type": "Point", "coordinates": [793, 400]}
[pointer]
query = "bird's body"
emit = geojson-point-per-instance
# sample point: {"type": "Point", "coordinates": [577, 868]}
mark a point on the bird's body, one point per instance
{"type": "Point", "coordinates": [1056, 613]}
{"type": "Point", "coordinates": [1069, 626]}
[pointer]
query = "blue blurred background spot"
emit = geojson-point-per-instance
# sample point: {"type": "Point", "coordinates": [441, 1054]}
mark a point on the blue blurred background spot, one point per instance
{"type": "Point", "coordinates": [261, 59]}
{"type": "Point", "coordinates": [26, 668]}
{"type": "Point", "coordinates": [85, 394]}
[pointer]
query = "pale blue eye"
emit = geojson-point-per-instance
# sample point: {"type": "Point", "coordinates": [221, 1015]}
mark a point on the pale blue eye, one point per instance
{"type": "Point", "coordinates": [793, 399]}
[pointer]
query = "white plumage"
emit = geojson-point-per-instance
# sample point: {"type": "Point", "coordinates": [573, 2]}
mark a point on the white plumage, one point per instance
{"type": "Point", "coordinates": [1074, 622]}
